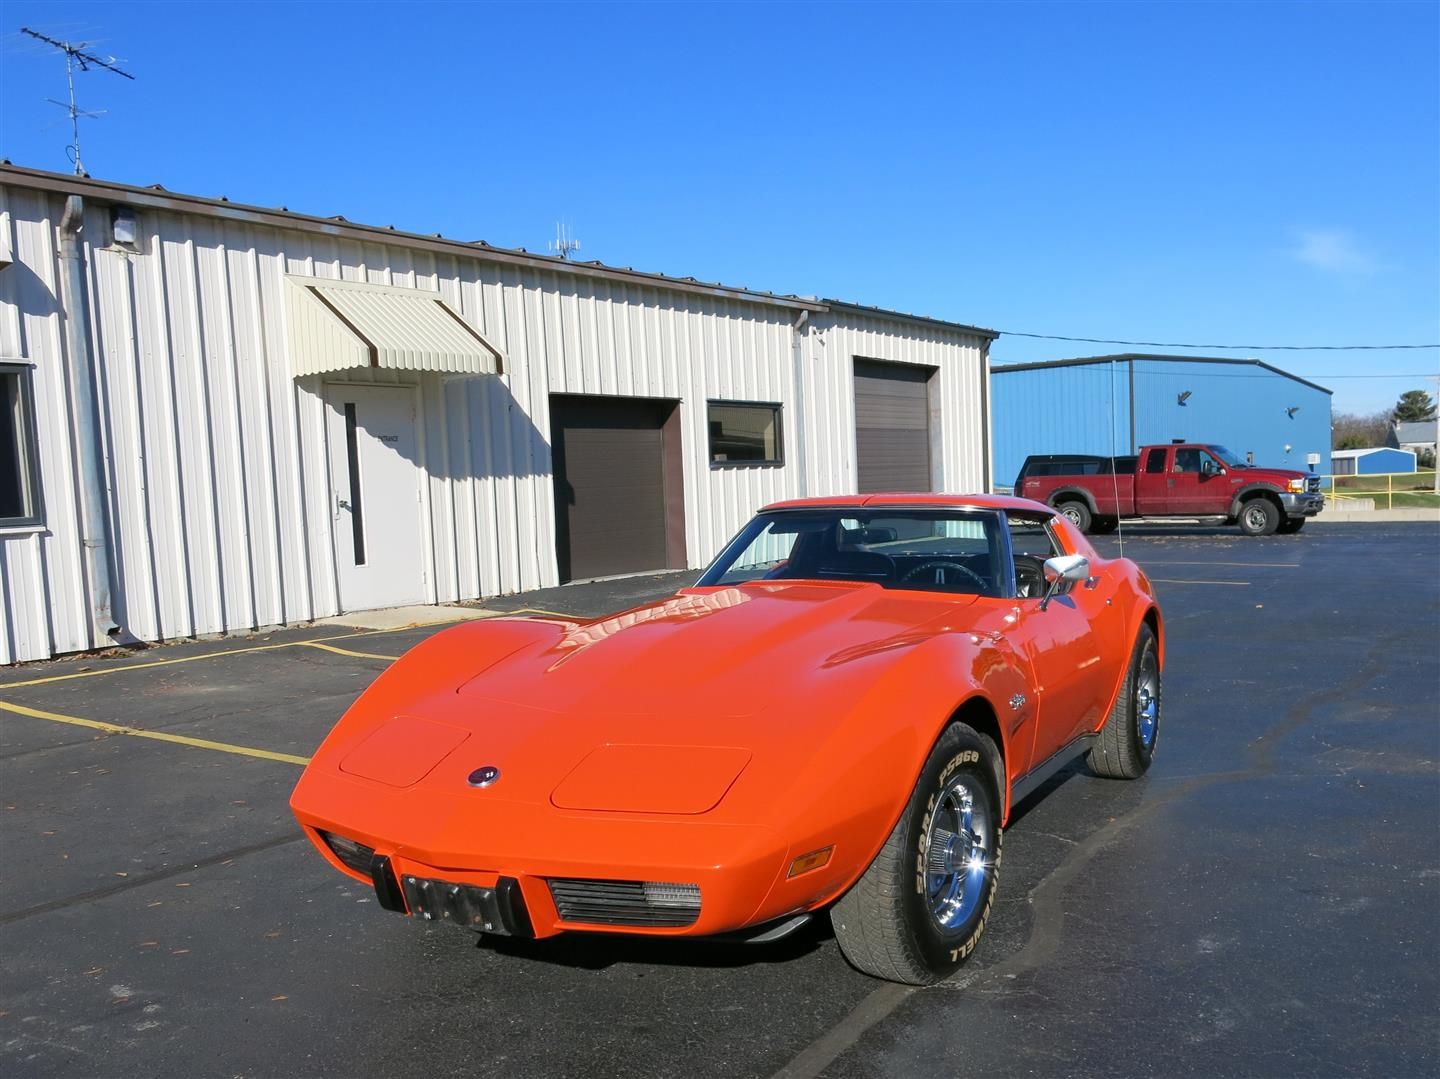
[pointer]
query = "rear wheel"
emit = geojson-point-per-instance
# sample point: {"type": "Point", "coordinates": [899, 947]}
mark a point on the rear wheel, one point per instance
{"type": "Point", "coordinates": [1259, 517]}
{"type": "Point", "coordinates": [1291, 525]}
{"type": "Point", "coordinates": [1126, 743]}
{"type": "Point", "coordinates": [1077, 513]}
{"type": "Point", "coordinates": [919, 910]}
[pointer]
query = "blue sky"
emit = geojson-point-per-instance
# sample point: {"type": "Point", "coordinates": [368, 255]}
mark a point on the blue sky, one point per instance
{"type": "Point", "coordinates": [1248, 173]}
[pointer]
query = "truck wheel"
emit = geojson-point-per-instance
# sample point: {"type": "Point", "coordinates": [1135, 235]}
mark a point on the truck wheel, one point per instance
{"type": "Point", "coordinates": [1127, 741]}
{"type": "Point", "coordinates": [1103, 526]}
{"type": "Point", "coordinates": [919, 910]}
{"type": "Point", "coordinates": [1259, 517]}
{"type": "Point", "coordinates": [1077, 513]}
{"type": "Point", "coordinates": [1291, 525]}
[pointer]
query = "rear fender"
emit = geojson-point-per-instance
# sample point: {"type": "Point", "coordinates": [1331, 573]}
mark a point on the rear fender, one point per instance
{"type": "Point", "coordinates": [1072, 494]}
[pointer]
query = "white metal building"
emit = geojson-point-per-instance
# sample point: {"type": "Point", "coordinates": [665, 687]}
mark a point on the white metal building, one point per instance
{"type": "Point", "coordinates": [220, 418]}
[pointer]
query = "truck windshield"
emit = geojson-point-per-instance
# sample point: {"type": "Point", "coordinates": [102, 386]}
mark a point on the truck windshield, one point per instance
{"type": "Point", "coordinates": [1231, 461]}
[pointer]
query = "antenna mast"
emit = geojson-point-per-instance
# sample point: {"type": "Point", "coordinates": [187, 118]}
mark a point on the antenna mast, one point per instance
{"type": "Point", "coordinates": [564, 242]}
{"type": "Point", "coordinates": [75, 55]}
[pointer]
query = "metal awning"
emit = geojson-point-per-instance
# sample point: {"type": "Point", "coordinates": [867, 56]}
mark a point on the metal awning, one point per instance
{"type": "Point", "coordinates": [342, 325]}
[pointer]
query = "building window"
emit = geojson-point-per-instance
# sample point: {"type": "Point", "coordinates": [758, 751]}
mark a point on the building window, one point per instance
{"type": "Point", "coordinates": [19, 474]}
{"type": "Point", "coordinates": [744, 434]}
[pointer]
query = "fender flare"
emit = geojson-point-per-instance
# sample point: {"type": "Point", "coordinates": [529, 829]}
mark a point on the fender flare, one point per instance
{"type": "Point", "coordinates": [1073, 494]}
{"type": "Point", "coordinates": [1253, 490]}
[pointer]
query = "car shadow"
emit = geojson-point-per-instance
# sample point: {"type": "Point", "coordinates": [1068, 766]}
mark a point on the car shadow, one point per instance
{"type": "Point", "coordinates": [1040, 793]}
{"type": "Point", "coordinates": [597, 951]}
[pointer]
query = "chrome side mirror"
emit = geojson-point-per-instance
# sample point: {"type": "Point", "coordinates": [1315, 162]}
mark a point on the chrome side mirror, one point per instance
{"type": "Point", "coordinates": [1062, 568]}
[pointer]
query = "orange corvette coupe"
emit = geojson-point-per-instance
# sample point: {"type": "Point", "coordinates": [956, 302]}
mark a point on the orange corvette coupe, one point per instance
{"type": "Point", "coordinates": [840, 715]}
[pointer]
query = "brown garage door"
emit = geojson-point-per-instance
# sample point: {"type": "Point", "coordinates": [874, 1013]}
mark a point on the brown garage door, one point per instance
{"type": "Point", "coordinates": [611, 485]}
{"type": "Point", "coordinates": [892, 426]}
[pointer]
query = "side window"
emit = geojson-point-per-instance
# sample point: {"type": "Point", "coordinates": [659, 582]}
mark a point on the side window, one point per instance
{"type": "Point", "coordinates": [1155, 460]}
{"type": "Point", "coordinates": [1031, 542]}
{"type": "Point", "coordinates": [1187, 461]}
{"type": "Point", "coordinates": [19, 471]}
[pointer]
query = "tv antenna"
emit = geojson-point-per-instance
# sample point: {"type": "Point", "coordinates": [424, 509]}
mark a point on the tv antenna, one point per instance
{"type": "Point", "coordinates": [77, 56]}
{"type": "Point", "coordinates": [564, 242]}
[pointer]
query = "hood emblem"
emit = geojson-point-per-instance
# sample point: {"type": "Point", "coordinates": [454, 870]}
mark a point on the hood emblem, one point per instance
{"type": "Point", "coordinates": [483, 777]}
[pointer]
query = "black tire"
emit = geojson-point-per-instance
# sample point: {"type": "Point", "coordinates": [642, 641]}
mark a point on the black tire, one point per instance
{"type": "Point", "coordinates": [1103, 526]}
{"type": "Point", "coordinates": [1259, 517]}
{"type": "Point", "coordinates": [885, 924]}
{"type": "Point", "coordinates": [1291, 525]}
{"type": "Point", "coordinates": [1077, 511]}
{"type": "Point", "coordinates": [1126, 745]}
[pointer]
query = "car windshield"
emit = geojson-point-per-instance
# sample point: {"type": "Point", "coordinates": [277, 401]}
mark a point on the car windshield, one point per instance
{"type": "Point", "coordinates": [1231, 461]}
{"type": "Point", "coordinates": [934, 550]}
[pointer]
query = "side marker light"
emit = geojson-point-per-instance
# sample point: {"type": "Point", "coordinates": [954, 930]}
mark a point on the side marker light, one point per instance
{"type": "Point", "coordinates": [806, 862]}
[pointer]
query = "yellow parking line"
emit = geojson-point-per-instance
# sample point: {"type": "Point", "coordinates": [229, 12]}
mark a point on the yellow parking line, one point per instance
{"type": "Point", "coordinates": [346, 651]}
{"type": "Point", "coordinates": [537, 610]}
{"type": "Point", "coordinates": [221, 654]}
{"type": "Point", "coordinates": [1237, 584]}
{"type": "Point", "coordinates": [159, 736]}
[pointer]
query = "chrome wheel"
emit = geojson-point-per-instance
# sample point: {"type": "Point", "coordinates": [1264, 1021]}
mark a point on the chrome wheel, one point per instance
{"type": "Point", "coordinates": [1147, 700]}
{"type": "Point", "coordinates": [1255, 518]}
{"type": "Point", "coordinates": [1071, 515]}
{"type": "Point", "coordinates": [959, 852]}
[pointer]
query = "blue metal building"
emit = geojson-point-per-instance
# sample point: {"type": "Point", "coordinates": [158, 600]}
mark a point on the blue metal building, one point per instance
{"type": "Point", "coordinates": [1112, 405]}
{"type": "Point", "coordinates": [1377, 461]}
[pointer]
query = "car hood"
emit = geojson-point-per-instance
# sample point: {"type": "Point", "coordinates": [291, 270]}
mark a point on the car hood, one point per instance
{"type": "Point", "coordinates": [1277, 476]}
{"type": "Point", "coordinates": [659, 709]}
{"type": "Point", "coordinates": [721, 651]}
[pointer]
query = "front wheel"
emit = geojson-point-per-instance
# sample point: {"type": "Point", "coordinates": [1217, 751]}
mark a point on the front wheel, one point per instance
{"type": "Point", "coordinates": [1259, 517]}
{"type": "Point", "coordinates": [1126, 743]}
{"type": "Point", "coordinates": [919, 910]}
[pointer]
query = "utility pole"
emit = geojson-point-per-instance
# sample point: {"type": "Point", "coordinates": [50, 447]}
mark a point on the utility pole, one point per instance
{"type": "Point", "coordinates": [77, 56]}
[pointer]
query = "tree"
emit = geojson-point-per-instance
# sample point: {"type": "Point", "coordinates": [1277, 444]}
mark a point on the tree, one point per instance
{"type": "Point", "coordinates": [1414, 406]}
{"type": "Point", "coordinates": [1353, 431]}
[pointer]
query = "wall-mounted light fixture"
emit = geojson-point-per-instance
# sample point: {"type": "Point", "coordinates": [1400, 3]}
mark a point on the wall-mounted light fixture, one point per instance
{"type": "Point", "coordinates": [1182, 398]}
{"type": "Point", "coordinates": [124, 229]}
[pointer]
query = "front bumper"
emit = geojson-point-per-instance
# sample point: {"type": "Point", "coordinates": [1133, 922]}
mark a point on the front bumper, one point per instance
{"type": "Point", "coordinates": [491, 866]}
{"type": "Point", "coordinates": [1301, 505]}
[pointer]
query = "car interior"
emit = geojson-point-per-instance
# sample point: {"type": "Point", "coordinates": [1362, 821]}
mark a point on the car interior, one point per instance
{"type": "Point", "coordinates": [953, 553]}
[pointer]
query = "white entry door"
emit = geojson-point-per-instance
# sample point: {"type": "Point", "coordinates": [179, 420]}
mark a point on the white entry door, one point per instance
{"type": "Point", "coordinates": [375, 496]}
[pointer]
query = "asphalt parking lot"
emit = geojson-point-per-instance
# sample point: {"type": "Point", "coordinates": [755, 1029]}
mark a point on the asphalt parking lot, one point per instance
{"type": "Point", "coordinates": [1266, 902]}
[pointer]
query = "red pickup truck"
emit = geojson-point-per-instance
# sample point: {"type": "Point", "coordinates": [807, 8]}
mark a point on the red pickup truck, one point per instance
{"type": "Point", "coordinates": [1185, 479]}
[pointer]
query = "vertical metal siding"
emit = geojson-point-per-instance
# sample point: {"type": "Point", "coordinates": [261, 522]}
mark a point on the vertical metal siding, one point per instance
{"type": "Point", "coordinates": [218, 468]}
{"type": "Point", "coordinates": [1081, 409]}
{"type": "Point", "coordinates": [1074, 409]}
{"type": "Point", "coordinates": [1240, 406]}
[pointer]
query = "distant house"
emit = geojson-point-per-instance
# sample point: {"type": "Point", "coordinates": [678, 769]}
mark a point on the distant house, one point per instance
{"type": "Point", "coordinates": [1416, 437]}
{"type": "Point", "coordinates": [1375, 461]}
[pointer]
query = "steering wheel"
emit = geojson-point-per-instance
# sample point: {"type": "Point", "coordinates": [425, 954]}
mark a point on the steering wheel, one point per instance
{"type": "Point", "coordinates": [941, 563]}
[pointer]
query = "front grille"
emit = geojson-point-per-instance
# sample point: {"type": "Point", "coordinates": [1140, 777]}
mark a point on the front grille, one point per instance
{"type": "Point", "coordinates": [1312, 484]}
{"type": "Point", "coordinates": [626, 902]}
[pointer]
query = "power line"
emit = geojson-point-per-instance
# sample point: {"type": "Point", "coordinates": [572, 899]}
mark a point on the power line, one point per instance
{"type": "Point", "coordinates": [1238, 348]}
